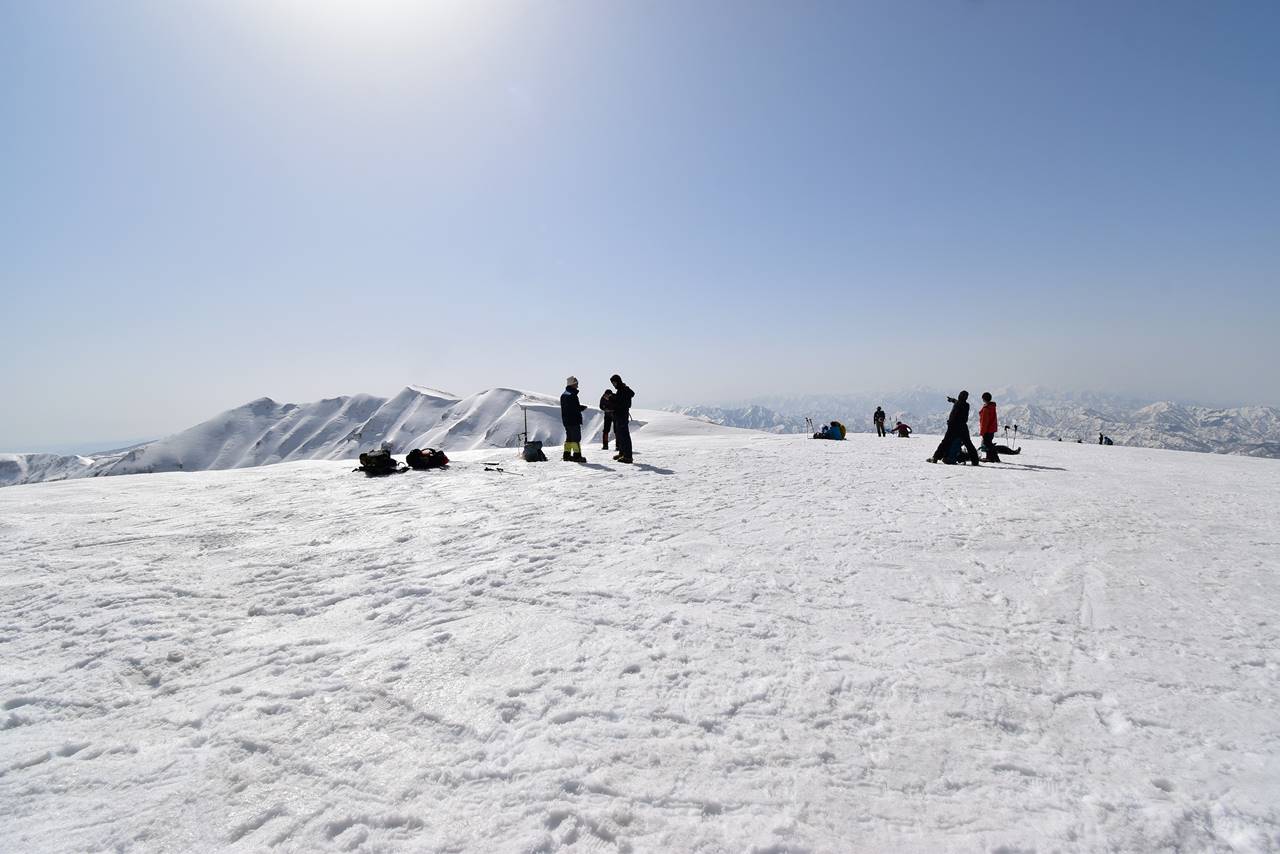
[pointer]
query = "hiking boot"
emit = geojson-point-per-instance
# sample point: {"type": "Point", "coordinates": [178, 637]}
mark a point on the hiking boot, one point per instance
{"type": "Point", "coordinates": [578, 458]}
{"type": "Point", "coordinates": [617, 456]}
{"type": "Point", "coordinates": [626, 460]}
{"type": "Point", "coordinates": [568, 457]}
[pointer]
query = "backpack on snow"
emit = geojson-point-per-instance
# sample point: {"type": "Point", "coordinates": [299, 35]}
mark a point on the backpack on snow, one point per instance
{"type": "Point", "coordinates": [378, 462]}
{"type": "Point", "coordinates": [426, 458]}
{"type": "Point", "coordinates": [532, 452]}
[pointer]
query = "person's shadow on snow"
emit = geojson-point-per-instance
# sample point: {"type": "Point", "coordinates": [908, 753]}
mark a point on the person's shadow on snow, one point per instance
{"type": "Point", "coordinates": [654, 469]}
{"type": "Point", "coordinates": [595, 466]}
{"type": "Point", "coordinates": [1034, 467]}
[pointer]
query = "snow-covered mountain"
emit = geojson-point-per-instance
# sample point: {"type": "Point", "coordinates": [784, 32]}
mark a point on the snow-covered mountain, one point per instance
{"type": "Point", "coordinates": [263, 432]}
{"type": "Point", "coordinates": [1245, 430]}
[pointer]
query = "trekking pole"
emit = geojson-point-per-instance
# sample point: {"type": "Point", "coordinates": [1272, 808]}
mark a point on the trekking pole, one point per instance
{"type": "Point", "coordinates": [1015, 435]}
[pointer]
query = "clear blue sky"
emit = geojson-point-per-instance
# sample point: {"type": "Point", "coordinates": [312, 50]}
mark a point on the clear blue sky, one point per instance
{"type": "Point", "coordinates": [206, 202]}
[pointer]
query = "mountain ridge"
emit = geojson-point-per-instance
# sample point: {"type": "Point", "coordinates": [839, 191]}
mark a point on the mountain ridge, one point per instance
{"type": "Point", "coordinates": [264, 431]}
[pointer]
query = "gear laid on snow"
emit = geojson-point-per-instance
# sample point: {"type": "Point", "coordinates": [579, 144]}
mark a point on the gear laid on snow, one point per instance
{"type": "Point", "coordinates": [379, 462]}
{"type": "Point", "coordinates": [426, 458]}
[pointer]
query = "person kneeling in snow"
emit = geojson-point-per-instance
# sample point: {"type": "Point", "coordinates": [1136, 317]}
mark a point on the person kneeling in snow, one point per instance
{"type": "Point", "coordinates": [903, 430]}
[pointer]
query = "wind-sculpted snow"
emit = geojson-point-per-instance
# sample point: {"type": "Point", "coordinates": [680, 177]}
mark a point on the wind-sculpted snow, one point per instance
{"type": "Point", "coordinates": [264, 432]}
{"type": "Point", "coordinates": [742, 643]}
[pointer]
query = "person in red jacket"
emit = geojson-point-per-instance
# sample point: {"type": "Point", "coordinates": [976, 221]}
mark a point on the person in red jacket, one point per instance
{"type": "Point", "coordinates": [987, 425]}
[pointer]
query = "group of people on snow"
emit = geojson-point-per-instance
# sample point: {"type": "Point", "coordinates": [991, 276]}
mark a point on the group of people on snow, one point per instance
{"type": "Point", "coordinates": [956, 443]}
{"type": "Point", "coordinates": [615, 403]}
{"type": "Point", "coordinates": [957, 438]}
{"type": "Point", "coordinates": [903, 430]}
{"type": "Point", "coordinates": [834, 430]}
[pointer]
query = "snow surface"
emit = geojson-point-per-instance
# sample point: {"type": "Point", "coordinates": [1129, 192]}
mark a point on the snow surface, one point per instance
{"type": "Point", "coordinates": [745, 643]}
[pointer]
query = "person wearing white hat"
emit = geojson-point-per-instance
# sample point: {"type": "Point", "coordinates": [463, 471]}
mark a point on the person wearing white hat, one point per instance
{"type": "Point", "coordinates": [571, 416]}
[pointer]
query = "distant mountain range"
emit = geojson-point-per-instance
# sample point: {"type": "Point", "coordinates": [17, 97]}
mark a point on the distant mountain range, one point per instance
{"type": "Point", "coordinates": [1246, 430]}
{"type": "Point", "coordinates": [263, 431]}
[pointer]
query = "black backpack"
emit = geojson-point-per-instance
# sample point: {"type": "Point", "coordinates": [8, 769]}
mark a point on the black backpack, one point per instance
{"type": "Point", "coordinates": [426, 458]}
{"type": "Point", "coordinates": [377, 462]}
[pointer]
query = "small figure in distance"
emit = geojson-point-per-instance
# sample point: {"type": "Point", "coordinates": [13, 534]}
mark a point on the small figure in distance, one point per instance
{"type": "Point", "coordinates": [903, 430]}
{"type": "Point", "coordinates": [571, 416]}
{"type": "Point", "coordinates": [878, 418]}
{"type": "Point", "coordinates": [622, 396]}
{"type": "Point", "coordinates": [1099, 438]}
{"type": "Point", "coordinates": [606, 406]}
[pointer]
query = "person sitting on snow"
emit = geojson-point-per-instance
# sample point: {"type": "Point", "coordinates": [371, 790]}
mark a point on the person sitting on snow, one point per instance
{"type": "Point", "coordinates": [903, 430]}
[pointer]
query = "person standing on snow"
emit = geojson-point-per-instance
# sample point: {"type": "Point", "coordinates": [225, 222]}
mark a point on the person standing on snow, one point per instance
{"type": "Point", "coordinates": [622, 395]}
{"type": "Point", "coordinates": [606, 406]}
{"type": "Point", "coordinates": [878, 418]}
{"type": "Point", "coordinates": [571, 416]}
{"type": "Point", "coordinates": [987, 422]}
{"type": "Point", "coordinates": [957, 434]}
{"type": "Point", "coordinates": [987, 426]}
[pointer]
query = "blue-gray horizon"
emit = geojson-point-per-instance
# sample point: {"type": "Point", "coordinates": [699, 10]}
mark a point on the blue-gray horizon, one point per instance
{"type": "Point", "coordinates": [207, 204]}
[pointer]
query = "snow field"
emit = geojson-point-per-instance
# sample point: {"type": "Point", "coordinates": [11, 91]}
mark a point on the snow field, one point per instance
{"type": "Point", "coordinates": [744, 643]}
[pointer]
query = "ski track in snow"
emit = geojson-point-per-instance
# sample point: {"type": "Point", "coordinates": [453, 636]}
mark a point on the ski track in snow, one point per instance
{"type": "Point", "coordinates": [745, 643]}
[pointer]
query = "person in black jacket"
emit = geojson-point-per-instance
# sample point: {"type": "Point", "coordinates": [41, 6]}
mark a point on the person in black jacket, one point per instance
{"type": "Point", "coordinates": [878, 418]}
{"type": "Point", "coordinates": [957, 434]}
{"type": "Point", "coordinates": [606, 406]}
{"type": "Point", "coordinates": [622, 395]}
{"type": "Point", "coordinates": [571, 416]}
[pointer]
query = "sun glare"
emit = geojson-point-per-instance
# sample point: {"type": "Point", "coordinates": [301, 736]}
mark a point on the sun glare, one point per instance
{"type": "Point", "coordinates": [372, 25]}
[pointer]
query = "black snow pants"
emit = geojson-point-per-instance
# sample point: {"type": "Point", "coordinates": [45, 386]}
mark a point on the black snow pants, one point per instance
{"type": "Point", "coordinates": [608, 423]}
{"type": "Point", "coordinates": [952, 442]}
{"type": "Point", "coordinates": [622, 434]}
